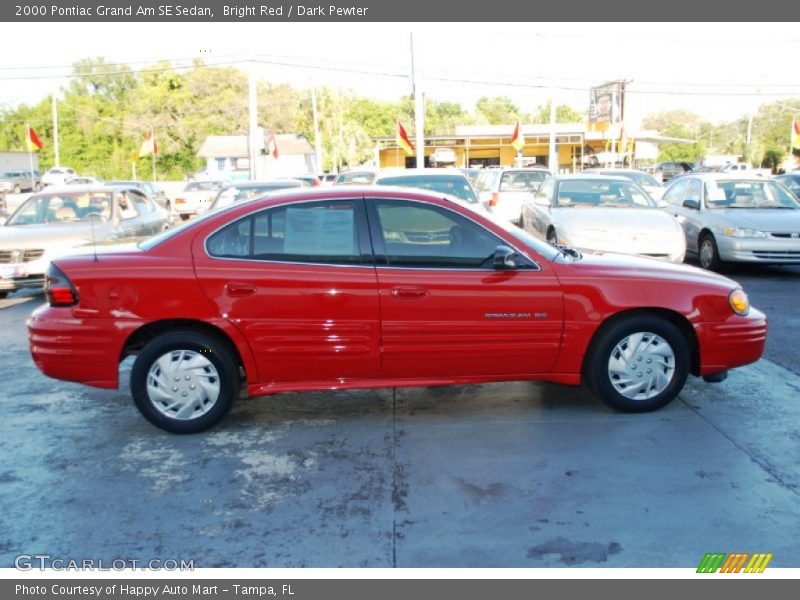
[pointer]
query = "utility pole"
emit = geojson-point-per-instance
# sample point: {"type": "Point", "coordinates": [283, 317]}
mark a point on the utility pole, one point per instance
{"type": "Point", "coordinates": [419, 112]}
{"type": "Point", "coordinates": [552, 160]}
{"type": "Point", "coordinates": [56, 156]}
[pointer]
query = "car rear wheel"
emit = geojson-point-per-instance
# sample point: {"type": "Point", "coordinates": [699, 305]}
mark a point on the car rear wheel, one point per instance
{"type": "Point", "coordinates": [3, 294]}
{"type": "Point", "coordinates": [184, 382]}
{"type": "Point", "coordinates": [709, 253]}
{"type": "Point", "coordinates": [552, 237]}
{"type": "Point", "coordinates": [638, 364]}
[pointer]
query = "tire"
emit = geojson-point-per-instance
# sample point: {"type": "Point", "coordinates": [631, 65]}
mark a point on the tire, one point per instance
{"type": "Point", "coordinates": [4, 294]}
{"type": "Point", "coordinates": [708, 253]}
{"type": "Point", "coordinates": [638, 341]}
{"type": "Point", "coordinates": [209, 379]}
{"type": "Point", "coordinates": [552, 237]}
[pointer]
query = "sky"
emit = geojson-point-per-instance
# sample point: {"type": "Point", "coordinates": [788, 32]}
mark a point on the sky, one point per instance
{"type": "Point", "coordinates": [719, 71]}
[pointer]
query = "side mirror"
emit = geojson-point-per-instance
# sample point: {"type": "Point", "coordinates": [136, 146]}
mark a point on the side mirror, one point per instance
{"type": "Point", "coordinates": [541, 201]}
{"type": "Point", "coordinates": [504, 258]}
{"type": "Point", "coordinates": [692, 203]}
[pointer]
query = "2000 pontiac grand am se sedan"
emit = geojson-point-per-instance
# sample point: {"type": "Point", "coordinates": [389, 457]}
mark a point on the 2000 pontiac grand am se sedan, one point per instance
{"type": "Point", "coordinates": [378, 287]}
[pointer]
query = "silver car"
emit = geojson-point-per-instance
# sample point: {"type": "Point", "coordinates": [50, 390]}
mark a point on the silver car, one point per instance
{"type": "Point", "coordinates": [738, 219]}
{"type": "Point", "coordinates": [503, 190]}
{"type": "Point", "coordinates": [647, 182]}
{"type": "Point", "coordinates": [602, 214]}
{"type": "Point", "coordinates": [56, 221]}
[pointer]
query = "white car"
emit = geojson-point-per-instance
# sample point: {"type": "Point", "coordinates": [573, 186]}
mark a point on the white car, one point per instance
{"type": "Point", "coordinates": [597, 213]}
{"type": "Point", "coordinates": [502, 190]}
{"type": "Point", "coordinates": [647, 182]}
{"type": "Point", "coordinates": [196, 197]}
{"type": "Point", "coordinates": [58, 175]}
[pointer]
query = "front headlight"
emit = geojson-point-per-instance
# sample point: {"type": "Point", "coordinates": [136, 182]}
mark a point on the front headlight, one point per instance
{"type": "Point", "coordinates": [738, 302]}
{"type": "Point", "coordinates": [744, 233]}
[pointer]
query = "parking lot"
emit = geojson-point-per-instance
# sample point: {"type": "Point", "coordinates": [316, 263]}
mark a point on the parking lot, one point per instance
{"type": "Point", "coordinates": [501, 475]}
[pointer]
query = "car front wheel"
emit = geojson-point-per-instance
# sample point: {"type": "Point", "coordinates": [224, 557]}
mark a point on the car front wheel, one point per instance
{"type": "Point", "coordinates": [638, 364]}
{"type": "Point", "coordinates": [709, 253]}
{"type": "Point", "coordinates": [185, 381]}
{"type": "Point", "coordinates": [552, 237]}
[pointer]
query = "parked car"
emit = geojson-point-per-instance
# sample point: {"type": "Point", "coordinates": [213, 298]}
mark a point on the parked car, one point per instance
{"type": "Point", "coordinates": [730, 218]}
{"type": "Point", "coordinates": [746, 169]}
{"type": "Point", "coordinates": [599, 213]}
{"type": "Point", "coordinates": [149, 188]}
{"type": "Point", "coordinates": [83, 180]}
{"type": "Point", "coordinates": [327, 178]}
{"type": "Point", "coordinates": [196, 197]}
{"type": "Point", "coordinates": [242, 192]}
{"type": "Point", "coordinates": [19, 181]}
{"type": "Point", "coordinates": [356, 177]}
{"type": "Point", "coordinates": [57, 175]}
{"type": "Point", "coordinates": [502, 190]}
{"type": "Point", "coordinates": [445, 181]}
{"type": "Point", "coordinates": [647, 182]}
{"type": "Point", "coordinates": [668, 169]}
{"type": "Point", "coordinates": [308, 180]}
{"type": "Point", "coordinates": [339, 288]}
{"type": "Point", "coordinates": [55, 221]}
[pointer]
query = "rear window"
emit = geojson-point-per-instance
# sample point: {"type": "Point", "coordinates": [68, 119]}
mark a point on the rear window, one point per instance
{"type": "Point", "coordinates": [203, 186]}
{"type": "Point", "coordinates": [522, 181]}
{"type": "Point", "coordinates": [455, 185]}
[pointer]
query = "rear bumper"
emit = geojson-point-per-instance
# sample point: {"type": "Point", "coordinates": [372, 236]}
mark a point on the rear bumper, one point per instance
{"type": "Point", "coordinates": [74, 349]}
{"type": "Point", "coordinates": [732, 343]}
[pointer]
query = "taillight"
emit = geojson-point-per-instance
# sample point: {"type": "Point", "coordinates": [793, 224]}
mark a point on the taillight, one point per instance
{"type": "Point", "coordinates": [180, 201]}
{"type": "Point", "coordinates": [58, 288]}
{"type": "Point", "coordinates": [494, 199]}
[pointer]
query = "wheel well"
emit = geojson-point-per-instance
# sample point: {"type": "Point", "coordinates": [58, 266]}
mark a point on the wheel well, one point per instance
{"type": "Point", "coordinates": [677, 319]}
{"type": "Point", "coordinates": [139, 338]}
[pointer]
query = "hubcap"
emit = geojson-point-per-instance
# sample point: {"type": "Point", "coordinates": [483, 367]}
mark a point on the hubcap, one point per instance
{"type": "Point", "coordinates": [641, 366]}
{"type": "Point", "coordinates": [183, 384]}
{"type": "Point", "coordinates": [706, 254]}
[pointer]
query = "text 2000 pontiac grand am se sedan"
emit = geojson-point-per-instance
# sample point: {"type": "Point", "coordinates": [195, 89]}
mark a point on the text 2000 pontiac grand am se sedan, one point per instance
{"type": "Point", "coordinates": [378, 287]}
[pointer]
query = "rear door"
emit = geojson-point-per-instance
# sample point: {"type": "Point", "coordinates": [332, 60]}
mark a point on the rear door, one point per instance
{"type": "Point", "coordinates": [299, 283]}
{"type": "Point", "coordinates": [446, 312]}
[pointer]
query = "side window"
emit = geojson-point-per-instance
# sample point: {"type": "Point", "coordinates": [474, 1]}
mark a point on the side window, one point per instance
{"type": "Point", "coordinates": [422, 236]}
{"type": "Point", "coordinates": [546, 191]}
{"type": "Point", "coordinates": [316, 232]}
{"type": "Point", "coordinates": [140, 203]}
{"type": "Point", "coordinates": [127, 206]}
{"type": "Point", "coordinates": [674, 194]}
{"type": "Point", "coordinates": [693, 190]}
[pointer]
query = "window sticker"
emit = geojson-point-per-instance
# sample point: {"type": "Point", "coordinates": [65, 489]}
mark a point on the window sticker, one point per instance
{"type": "Point", "coordinates": [318, 231]}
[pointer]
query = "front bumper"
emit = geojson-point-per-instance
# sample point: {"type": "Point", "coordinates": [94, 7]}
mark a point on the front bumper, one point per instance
{"type": "Point", "coordinates": [759, 250]}
{"type": "Point", "coordinates": [17, 276]}
{"type": "Point", "coordinates": [732, 343]}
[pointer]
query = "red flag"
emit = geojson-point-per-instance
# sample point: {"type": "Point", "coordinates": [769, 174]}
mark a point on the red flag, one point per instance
{"type": "Point", "coordinates": [149, 145]}
{"type": "Point", "coordinates": [274, 143]}
{"type": "Point", "coordinates": [517, 139]}
{"type": "Point", "coordinates": [31, 139]}
{"type": "Point", "coordinates": [403, 141]}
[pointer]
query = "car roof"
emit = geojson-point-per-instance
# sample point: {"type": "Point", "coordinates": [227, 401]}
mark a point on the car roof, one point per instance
{"type": "Point", "coordinates": [83, 188]}
{"type": "Point", "coordinates": [415, 172]}
{"type": "Point", "coordinates": [737, 175]}
{"type": "Point", "coordinates": [590, 176]}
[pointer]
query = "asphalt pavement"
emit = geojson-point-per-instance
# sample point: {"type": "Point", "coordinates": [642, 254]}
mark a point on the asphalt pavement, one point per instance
{"type": "Point", "coordinates": [500, 475]}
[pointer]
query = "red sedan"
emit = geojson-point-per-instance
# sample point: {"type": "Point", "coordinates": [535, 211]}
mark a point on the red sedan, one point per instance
{"type": "Point", "coordinates": [346, 287]}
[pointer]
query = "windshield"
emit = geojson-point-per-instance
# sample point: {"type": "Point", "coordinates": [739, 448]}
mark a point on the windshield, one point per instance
{"type": "Point", "coordinates": [522, 181]}
{"type": "Point", "coordinates": [455, 185]}
{"type": "Point", "coordinates": [62, 208]}
{"type": "Point", "coordinates": [232, 194]}
{"type": "Point", "coordinates": [356, 177]}
{"type": "Point", "coordinates": [602, 193]}
{"type": "Point", "coordinates": [739, 193]}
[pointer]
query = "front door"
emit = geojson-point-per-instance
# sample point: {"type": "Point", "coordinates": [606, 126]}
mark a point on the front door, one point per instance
{"type": "Point", "coordinates": [445, 311]}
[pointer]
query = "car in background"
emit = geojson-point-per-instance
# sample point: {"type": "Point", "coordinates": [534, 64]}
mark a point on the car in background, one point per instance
{"type": "Point", "coordinates": [308, 180]}
{"type": "Point", "coordinates": [791, 181]}
{"type": "Point", "coordinates": [83, 180]}
{"type": "Point", "coordinates": [666, 170]}
{"type": "Point", "coordinates": [448, 181]}
{"type": "Point", "coordinates": [352, 288]}
{"type": "Point", "coordinates": [731, 218]}
{"type": "Point", "coordinates": [57, 175]}
{"type": "Point", "coordinates": [250, 190]}
{"type": "Point", "coordinates": [327, 178]}
{"type": "Point", "coordinates": [58, 220]}
{"type": "Point", "coordinates": [19, 181]}
{"type": "Point", "coordinates": [598, 213]}
{"type": "Point", "coordinates": [502, 190]}
{"type": "Point", "coordinates": [149, 188]}
{"type": "Point", "coordinates": [196, 197]}
{"type": "Point", "coordinates": [647, 182]}
{"type": "Point", "coordinates": [471, 173]}
{"type": "Point", "coordinates": [356, 177]}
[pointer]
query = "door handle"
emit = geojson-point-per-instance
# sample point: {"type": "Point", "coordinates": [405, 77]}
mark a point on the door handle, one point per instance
{"type": "Point", "coordinates": [408, 293]}
{"type": "Point", "coordinates": [239, 290]}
